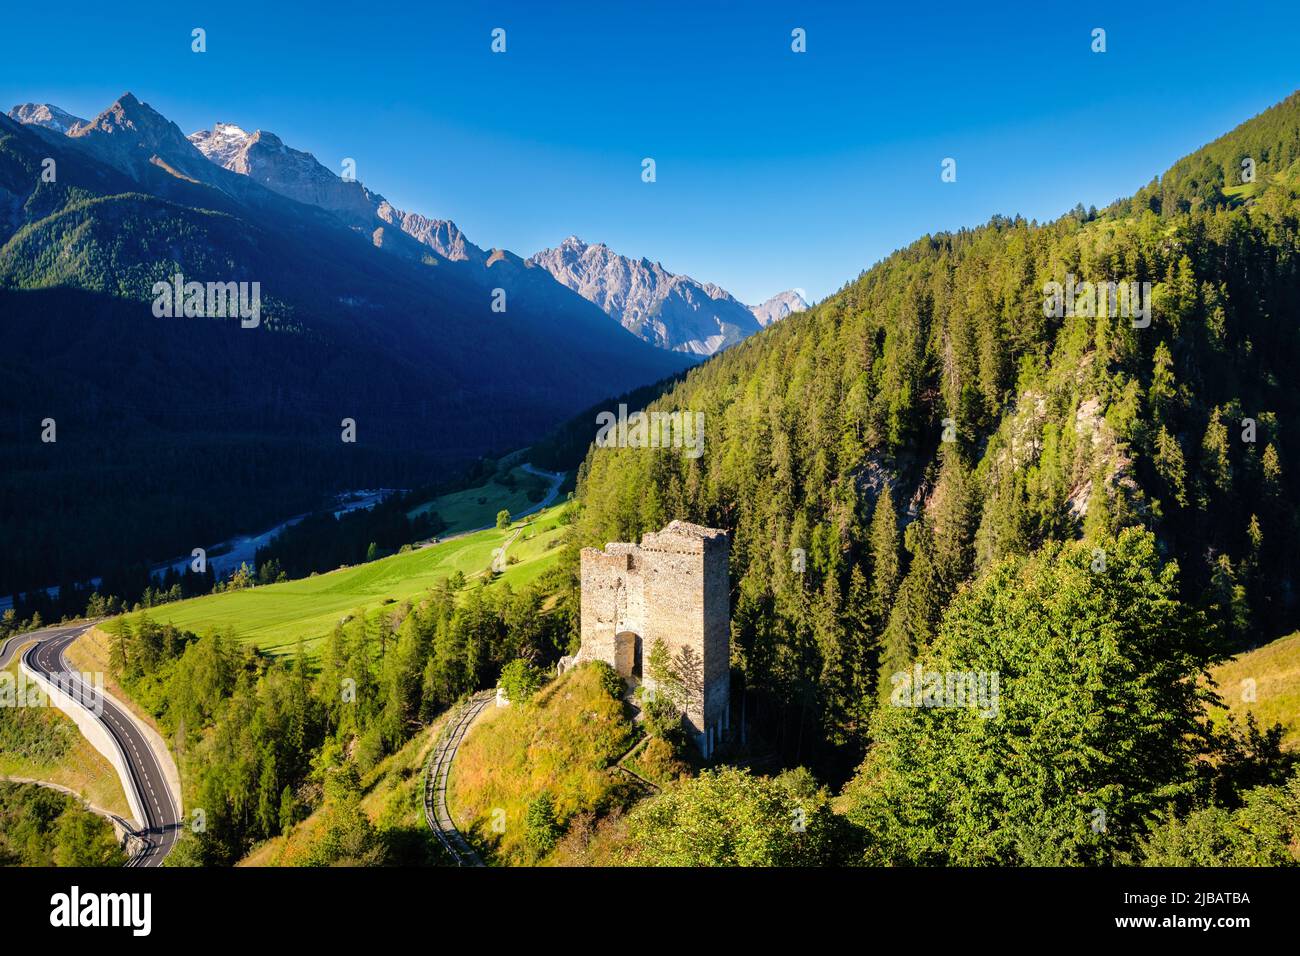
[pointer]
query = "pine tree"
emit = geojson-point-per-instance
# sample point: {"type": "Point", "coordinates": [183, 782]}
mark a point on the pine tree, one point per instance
{"type": "Point", "coordinates": [1214, 453]}
{"type": "Point", "coordinates": [1170, 466]}
{"type": "Point", "coordinates": [885, 569]}
{"type": "Point", "coordinates": [1272, 466]}
{"type": "Point", "coordinates": [954, 521]}
{"type": "Point", "coordinates": [288, 809]}
{"type": "Point", "coordinates": [915, 616]}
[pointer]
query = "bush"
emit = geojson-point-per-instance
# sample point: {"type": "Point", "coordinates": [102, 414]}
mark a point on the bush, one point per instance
{"type": "Point", "coordinates": [521, 679]}
{"type": "Point", "coordinates": [663, 720]}
{"type": "Point", "coordinates": [1265, 831]}
{"type": "Point", "coordinates": [729, 817]}
{"type": "Point", "coordinates": [610, 682]}
{"type": "Point", "coordinates": [543, 829]}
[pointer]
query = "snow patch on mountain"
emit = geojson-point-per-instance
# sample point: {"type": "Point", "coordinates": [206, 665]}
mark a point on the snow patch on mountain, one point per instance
{"type": "Point", "coordinates": [221, 144]}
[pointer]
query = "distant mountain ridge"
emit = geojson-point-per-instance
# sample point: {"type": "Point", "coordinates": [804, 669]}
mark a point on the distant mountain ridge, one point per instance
{"type": "Point", "coordinates": [671, 311]}
{"type": "Point", "coordinates": [46, 115]}
{"type": "Point", "coordinates": [252, 167]}
{"type": "Point", "coordinates": [359, 320]}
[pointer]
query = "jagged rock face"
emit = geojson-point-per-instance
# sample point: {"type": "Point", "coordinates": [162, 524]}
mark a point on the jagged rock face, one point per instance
{"type": "Point", "coordinates": [441, 235]}
{"type": "Point", "coordinates": [46, 115]}
{"type": "Point", "coordinates": [130, 135]}
{"type": "Point", "coordinates": [668, 310]}
{"type": "Point", "coordinates": [264, 158]}
{"type": "Point", "coordinates": [222, 144]}
{"type": "Point", "coordinates": [778, 307]}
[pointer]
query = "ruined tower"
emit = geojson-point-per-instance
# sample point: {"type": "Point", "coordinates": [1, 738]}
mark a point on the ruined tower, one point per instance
{"type": "Point", "coordinates": [673, 588]}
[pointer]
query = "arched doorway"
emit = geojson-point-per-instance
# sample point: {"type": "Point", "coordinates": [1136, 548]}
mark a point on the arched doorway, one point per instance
{"type": "Point", "coordinates": [627, 655]}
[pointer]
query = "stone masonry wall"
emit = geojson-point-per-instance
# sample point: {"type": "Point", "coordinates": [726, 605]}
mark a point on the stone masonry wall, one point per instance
{"type": "Point", "coordinates": [672, 588]}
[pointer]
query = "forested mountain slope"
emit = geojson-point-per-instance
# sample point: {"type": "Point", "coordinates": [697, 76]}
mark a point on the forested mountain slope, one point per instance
{"type": "Point", "coordinates": [827, 432]}
{"type": "Point", "coordinates": [175, 432]}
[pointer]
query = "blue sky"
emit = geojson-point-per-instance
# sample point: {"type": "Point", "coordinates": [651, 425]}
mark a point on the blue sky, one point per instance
{"type": "Point", "coordinates": [775, 169]}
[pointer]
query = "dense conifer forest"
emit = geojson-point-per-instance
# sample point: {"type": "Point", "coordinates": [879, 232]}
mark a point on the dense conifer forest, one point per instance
{"type": "Point", "coordinates": [931, 467]}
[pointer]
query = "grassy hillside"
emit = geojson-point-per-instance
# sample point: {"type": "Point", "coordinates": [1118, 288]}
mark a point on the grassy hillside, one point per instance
{"type": "Point", "coordinates": [274, 616]}
{"type": "Point", "coordinates": [562, 744]}
{"type": "Point", "coordinates": [515, 490]}
{"type": "Point", "coordinates": [1275, 671]}
{"type": "Point", "coordinates": [43, 744]}
{"type": "Point", "coordinates": [392, 799]}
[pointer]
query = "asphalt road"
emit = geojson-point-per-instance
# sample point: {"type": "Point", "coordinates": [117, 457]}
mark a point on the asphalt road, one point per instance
{"type": "Point", "coordinates": [162, 818]}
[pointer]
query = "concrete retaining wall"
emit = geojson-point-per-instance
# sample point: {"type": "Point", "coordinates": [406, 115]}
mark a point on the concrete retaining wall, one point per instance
{"type": "Point", "coordinates": [97, 734]}
{"type": "Point", "coordinates": [159, 747]}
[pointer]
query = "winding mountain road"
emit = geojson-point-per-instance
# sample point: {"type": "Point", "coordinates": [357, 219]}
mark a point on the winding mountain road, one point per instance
{"type": "Point", "coordinates": [556, 479]}
{"type": "Point", "coordinates": [162, 821]}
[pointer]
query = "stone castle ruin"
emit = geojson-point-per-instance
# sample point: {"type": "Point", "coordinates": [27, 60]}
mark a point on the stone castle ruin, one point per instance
{"type": "Point", "coordinates": [673, 588]}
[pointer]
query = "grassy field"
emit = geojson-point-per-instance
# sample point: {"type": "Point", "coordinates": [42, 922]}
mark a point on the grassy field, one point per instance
{"type": "Point", "coordinates": [1244, 192]}
{"type": "Point", "coordinates": [1275, 671]}
{"type": "Point", "coordinates": [477, 507]}
{"type": "Point", "coordinates": [274, 616]}
{"type": "Point", "coordinates": [44, 744]}
{"type": "Point", "coordinates": [563, 742]}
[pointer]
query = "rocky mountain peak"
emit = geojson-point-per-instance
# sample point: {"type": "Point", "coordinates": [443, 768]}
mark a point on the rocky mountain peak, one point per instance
{"type": "Point", "coordinates": [45, 114]}
{"type": "Point", "coordinates": [130, 112]}
{"type": "Point", "coordinates": [779, 306]}
{"type": "Point", "coordinates": [131, 135]}
{"type": "Point", "coordinates": [671, 311]}
{"type": "Point", "coordinates": [221, 143]}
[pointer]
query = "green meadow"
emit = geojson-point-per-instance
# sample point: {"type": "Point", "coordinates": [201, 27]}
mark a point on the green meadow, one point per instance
{"type": "Point", "coordinates": [477, 507]}
{"type": "Point", "coordinates": [1266, 683]}
{"type": "Point", "coordinates": [275, 616]}
{"type": "Point", "coordinates": [1244, 192]}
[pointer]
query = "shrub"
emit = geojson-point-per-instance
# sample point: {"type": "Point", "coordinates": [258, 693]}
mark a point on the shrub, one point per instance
{"type": "Point", "coordinates": [610, 682]}
{"type": "Point", "coordinates": [729, 817]}
{"type": "Point", "coordinates": [663, 719]}
{"type": "Point", "coordinates": [1265, 831]}
{"type": "Point", "coordinates": [521, 679]}
{"type": "Point", "coordinates": [543, 829]}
